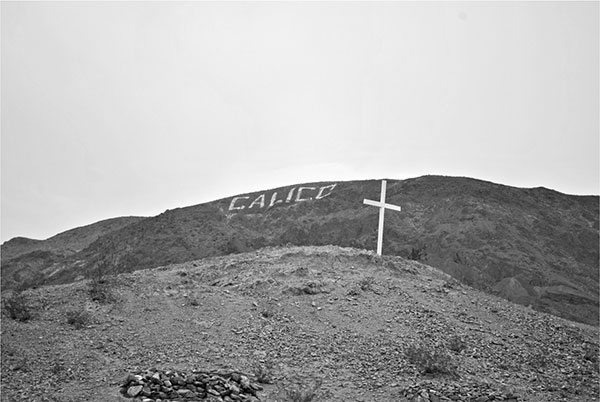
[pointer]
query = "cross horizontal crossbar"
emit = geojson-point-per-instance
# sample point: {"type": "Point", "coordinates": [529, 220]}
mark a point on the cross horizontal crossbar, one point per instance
{"type": "Point", "coordinates": [384, 205]}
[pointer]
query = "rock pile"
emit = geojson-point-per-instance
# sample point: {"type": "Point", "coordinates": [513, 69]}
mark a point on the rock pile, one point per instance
{"type": "Point", "coordinates": [427, 391]}
{"type": "Point", "coordinates": [156, 385]}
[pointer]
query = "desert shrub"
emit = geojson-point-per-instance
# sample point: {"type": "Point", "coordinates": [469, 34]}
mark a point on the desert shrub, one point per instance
{"type": "Point", "coordinates": [418, 254]}
{"type": "Point", "coordinates": [301, 271]}
{"type": "Point", "coordinates": [309, 288]}
{"type": "Point", "coordinates": [14, 358]}
{"type": "Point", "coordinates": [101, 286]}
{"type": "Point", "coordinates": [17, 308]}
{"type": "Point", "coordinates": [60, 372]}
{"type": "Point", "coordinates": [591, 353]}
{"type": "Point", "coordinates": [235, 245]}
{"type": "Point", "coordinates": [430, 361]}
{"type": "Point", "coordinates": [456, 344]}
{"type": "Point", "coordinates": [268, 312]}
{"type": "Point", "coordinates": [363, 285]}
{"type": "Point", "coordinates": [366, 283]}
{"type": "Point", "coordinates": [77, 318]}
{"type": "Point", "coordinates": [264, 372]}
{"type": "Point", "coordinates": [21, 364]}
{"type": "Point", "coordinates": [300, 392]}
{"type": "Point", "coordinates": [539, 358]}
{"type": "Point", "coordinates": [313, 288]}
{"type": "Point", "coordinates": [101, 291]}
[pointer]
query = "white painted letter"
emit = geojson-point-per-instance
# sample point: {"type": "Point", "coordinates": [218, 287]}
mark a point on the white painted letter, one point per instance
{"type": "Point", "coordinates": [321, 195]}
{"type": "Point", "coordinates": [233, 200]}
{"type": "Point", "coordinates": [274, 200]}
{"type": "Point", "coordinates": [260, 200]}
{"type": "Point", "coordinates": [290, 195]}
{"type": "Point", "coordinates": [300, 193]}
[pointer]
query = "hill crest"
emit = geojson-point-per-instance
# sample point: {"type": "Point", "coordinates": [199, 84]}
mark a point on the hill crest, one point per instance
{"type": "Point", "coordinates": [535, 246]}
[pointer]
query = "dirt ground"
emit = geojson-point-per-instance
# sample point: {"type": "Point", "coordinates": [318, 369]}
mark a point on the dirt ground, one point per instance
{"type": "Point", "coordinates": [349, 324]}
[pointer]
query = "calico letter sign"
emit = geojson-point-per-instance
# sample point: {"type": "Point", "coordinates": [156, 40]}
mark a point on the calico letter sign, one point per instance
{"type": "Point", "coordinates": [295, 194]}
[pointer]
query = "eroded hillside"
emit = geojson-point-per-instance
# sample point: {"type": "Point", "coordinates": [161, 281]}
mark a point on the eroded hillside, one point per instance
{"type": "Point", "coordinates": [534, 247]}
{"type": "Point", "coordinates": [25, 261]}
{"type": "Point", "coordinates": [359, 325]}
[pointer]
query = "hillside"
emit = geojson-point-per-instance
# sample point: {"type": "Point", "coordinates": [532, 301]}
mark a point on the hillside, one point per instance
{"type": "Point", "coordinates": [23, 259]}
{"type": "Point", "coordinates": [535, 246]}
{"type": "Point", "coordinates": [359, 325]}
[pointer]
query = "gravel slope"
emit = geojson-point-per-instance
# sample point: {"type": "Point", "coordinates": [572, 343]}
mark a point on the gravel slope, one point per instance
{"type": "Point", "coordinates": [340, 318]}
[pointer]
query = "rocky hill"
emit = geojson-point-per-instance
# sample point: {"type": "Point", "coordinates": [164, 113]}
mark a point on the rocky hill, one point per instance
{"type": "Point", "coordinates": [23, 259]}
{"type": "Point", "coordinates": [534, 247]}
{"type": "Point", "coordinates": [339, 324]}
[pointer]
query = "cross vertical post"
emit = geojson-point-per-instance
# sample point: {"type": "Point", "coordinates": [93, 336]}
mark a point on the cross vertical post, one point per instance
{"type": "Point", "coordinates": [382, 207]}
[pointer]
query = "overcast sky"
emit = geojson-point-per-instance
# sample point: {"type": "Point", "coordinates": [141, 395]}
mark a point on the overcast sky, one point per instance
{"type": "Point", "coordinates": [114, 109]}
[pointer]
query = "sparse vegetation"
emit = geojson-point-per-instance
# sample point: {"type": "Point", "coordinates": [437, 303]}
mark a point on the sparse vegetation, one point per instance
{"type": "Point", "coordinates": [17, 308]}
{"type": "Point", "coordinates": [430, 361]}
{"type": "Point", "coordinates": [300, 392]}
{"type": "Point", "coordinates": [14, 358]}
{"type": "Point", "coordinates": [366, 283]}
{"type": "Point", "coordinates": [456, 344]}
{"type": "Point", "coordinates": [309, 288]}
{"type": "Point", "coordinates": [268, 312]}
{"type": "Point", "coordinates": [418, 254]}
{"type": "Point", "coordinates": [257, 334]}
{"type": "Point", "coordinates": [313, 288]}
{"type": "Point", "coordinates": [591, 354]}
{"type": "Point", "coordinates": [60, 372]}
{"type": "Point", "coordinates": [77, 318]}
{"type": "Point", "coordinates": [363, 285]}
{"type": "Point", "coordinates": [101, 291]}
{"type": "Point", "coordinates": [264, 372]}
{"type": "Point", "coordinates": [100, 286]}
{"type": "Point", "coordinates": [539, 359]}
{"type": "Point", "coordinates": [20, 364]}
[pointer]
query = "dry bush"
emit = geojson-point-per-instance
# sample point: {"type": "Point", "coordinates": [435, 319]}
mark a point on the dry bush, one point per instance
{"type": "Point", "coordinates": [309, 288]}
{"type": "Point", "coordinates": [268, 312]}
{"type": "Point", "coordinates": [101, 285]}
{"type": "Point", "coordinates": [366, 283]}
{"type": "Point", "coordinates": [430, 361]}
{"type": "Point", "coordinates": [264, 372]}
{"type": "Point", "coordinates": [101, 289]}
{"type": "Point", "coordinates": [14, 358]}
{"type": "Point", "coordinates": [591, 353]}
{"type": "Point", "coordinates": [456, 344]}
{"type": "Point", "coordinates": [300, 392]}
{"type": "Point", "coordinates": [77, 318]}
{"type": "Point", "coordinates": [17, 308]}
{"type": "Point", "coordinates": [60, 372]}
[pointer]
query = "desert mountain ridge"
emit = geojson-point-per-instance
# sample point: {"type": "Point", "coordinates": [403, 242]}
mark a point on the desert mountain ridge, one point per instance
{"type": "Point", "coordinates": [536, 247]}
{"type": "Point", "coordinates": [68, 242]}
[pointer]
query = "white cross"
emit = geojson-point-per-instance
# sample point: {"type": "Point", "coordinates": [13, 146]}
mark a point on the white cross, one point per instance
{"type": "Point", "coordinates": [382, 206]}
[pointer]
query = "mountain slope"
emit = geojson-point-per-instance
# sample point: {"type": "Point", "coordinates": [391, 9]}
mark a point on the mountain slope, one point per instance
{"type": "Point", "coordinates": [535, 247]}
{"type": "Point", "coordinates": [343, 317]}
{"type": "Point", "coordinates": [23, 259]}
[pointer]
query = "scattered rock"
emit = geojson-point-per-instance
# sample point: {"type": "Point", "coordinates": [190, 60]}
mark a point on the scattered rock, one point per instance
{"type": "Point", "coordinates": [192, 386]}
{"type": "Point", "coordinates": [134, 390]}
